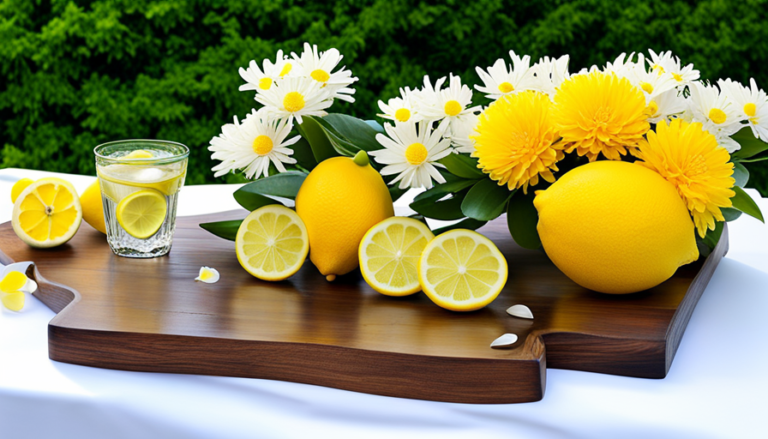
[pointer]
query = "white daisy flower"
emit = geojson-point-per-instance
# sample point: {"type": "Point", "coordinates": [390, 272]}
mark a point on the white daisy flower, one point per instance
{"type": "Point", "coordinates": [652, 83]}
{"type": "Point", "coordinates": [501, 80]}
{"type": "Point", "coordinates": [402, 109]}
{"type": "Point", "coordinates": [252, 144]}
{"type": "Point", "coordinates": [623, 66]}
{"type": "Point", "coordinates": [411, 149]}
{"type": "Point", "coordinates": [751, 102]}
{"type": "Point", "coordinates": [716, 112]}
{"type": "Point", "coordinates": [664, 62]}
{"type": "Point", "coordinates": [666, 105]}
{"type": "Point", "coordinates": [449, 103]}
{"type": "Point", "coordinates": [261, 79]}
{"type": "Point", "coordinates": [464, 127]}
{"type": "Point", "coordinates": [549, 73]}
{"type": "Point", "coordinates": [293, 97]}
{"type": "Point", "coordinates": [319, 66]}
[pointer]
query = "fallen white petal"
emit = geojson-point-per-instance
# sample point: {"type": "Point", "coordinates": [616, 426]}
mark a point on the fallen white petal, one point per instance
{"type": "Point", "coordinates": [504, 341]}
{"type": "Point", "coordinates": [208, 275]}
{"type": "Point", "coordinates": [29, 287]}
{"type": "Point", "coordinates": [520, 311]}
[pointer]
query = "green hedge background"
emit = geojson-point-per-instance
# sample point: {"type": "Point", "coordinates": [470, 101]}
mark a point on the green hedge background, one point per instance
{"type": "Point", "coordinates": [74, 74]}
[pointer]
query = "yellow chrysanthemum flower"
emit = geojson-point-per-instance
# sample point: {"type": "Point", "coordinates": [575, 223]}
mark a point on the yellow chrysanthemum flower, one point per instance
{"type": "Point", "coordinates": [689, 158]}
{"type": "Point", "coordinates": [517, 140]}
{"type": "Point", "coordinates": [600, 112]}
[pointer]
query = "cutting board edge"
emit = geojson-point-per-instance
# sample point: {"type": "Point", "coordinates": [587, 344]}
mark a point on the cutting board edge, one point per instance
{"type": "Point", "coordinates": [360, 370]}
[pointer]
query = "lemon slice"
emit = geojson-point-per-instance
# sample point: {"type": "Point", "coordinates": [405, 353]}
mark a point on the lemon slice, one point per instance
{"type": "Point", "coordinates": [47, 213]}
{"type": "Point", "coordinates": [462, 270]}
{"type": "Point", "coordinates": [389, 255]}
{"type": "Point", "coordinates": [19, 187]}
{"type": "Point", "coordinates": [272, 243]}
{"type": "Point", "coordinates": [142, 213]}
{"type": "Point", "coordinates": [139, 154]}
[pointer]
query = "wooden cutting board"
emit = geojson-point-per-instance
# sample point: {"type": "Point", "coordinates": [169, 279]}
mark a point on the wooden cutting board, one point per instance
{"type": "Point", "coordinates": [149, 315]}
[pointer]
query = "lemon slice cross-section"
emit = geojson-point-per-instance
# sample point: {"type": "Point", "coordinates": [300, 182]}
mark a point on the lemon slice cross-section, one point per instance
{"type": "Point", "coordinates": [462, 270]}
{"type": "Point", "coordinates": [272, 243]}
{"type": "Point", "coordinates": [47, 213]}
{"type": "Point", "coordinates": [142, 213]}
{"type": "Point", "coordinates": [389, 255]}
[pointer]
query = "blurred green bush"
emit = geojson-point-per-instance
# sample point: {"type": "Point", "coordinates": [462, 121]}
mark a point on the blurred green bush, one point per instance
{"type": "Point", "coordinates": [74, 74]}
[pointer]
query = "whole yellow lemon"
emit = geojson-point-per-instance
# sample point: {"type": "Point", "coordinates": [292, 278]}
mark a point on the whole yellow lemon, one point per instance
{"type": "Point", "coordinates": [615, 227]}
{"type": "Point", "coordinates": [93, 208]}
{"type": "Point", "coordinates": [339, 201]}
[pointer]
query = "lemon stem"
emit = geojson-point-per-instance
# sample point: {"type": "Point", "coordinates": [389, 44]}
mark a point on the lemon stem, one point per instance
{"type": "Point", "coordinates": [361, 158]}
{"type": "Point", "coordinates": [332, 277]}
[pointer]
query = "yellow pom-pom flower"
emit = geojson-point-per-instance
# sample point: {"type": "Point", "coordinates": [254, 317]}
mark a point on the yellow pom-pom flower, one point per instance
{"type": "Point", "coordinates": [690, 158]}
{"type": "Point", "coordinates": [516, 141]}
{"type": "Point", "coordinates": [600, 113]}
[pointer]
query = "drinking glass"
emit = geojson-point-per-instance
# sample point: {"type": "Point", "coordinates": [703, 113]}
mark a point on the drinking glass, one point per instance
{"type": "Point", "coordinates": [136, 176]}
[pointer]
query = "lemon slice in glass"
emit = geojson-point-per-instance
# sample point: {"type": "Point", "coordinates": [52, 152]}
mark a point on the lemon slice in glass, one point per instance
{"type": "Point", "coordinates": [47, 213]}
{"type": "Point", "coordinates": [272, 243]}
{"type": "Point", "coordinates": [142, 213]}
{"type": "Point", "coordinates": [462, 270]}
{"type": "Point", "coordinates": [389, 255]}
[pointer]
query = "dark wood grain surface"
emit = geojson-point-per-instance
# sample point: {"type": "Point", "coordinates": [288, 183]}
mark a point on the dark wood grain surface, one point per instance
{"type": "Point", "coordinates": [149, 315]}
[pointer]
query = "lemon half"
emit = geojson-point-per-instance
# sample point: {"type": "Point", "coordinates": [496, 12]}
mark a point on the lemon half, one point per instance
{"type": "Point", "coordinates": [462, 270]}
{"type": "Point", "coordinates": [389, 255]}
{"type": "Point", "coordinates": [272, 243]}
{"type": "Point", "coordinates": [47, 213]}
{"type": "Point", "coordinates": [142, 213]}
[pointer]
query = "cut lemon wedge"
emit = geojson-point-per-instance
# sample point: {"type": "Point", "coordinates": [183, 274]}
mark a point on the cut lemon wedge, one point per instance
{"type": "Point", "coordinates": [462, 270]}
{"type": "Point", "coordinates": [272, 243]}
{"type": "Point", "coordinates": [142, 213]}
{"type": "Point", "coordinates": [47, 213]}
{"type": "Point", "coordinates": [389, 255]}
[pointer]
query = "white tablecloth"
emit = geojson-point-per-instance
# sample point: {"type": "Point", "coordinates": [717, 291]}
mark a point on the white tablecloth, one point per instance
{"type": "Point", "coordinates": [716, 388]}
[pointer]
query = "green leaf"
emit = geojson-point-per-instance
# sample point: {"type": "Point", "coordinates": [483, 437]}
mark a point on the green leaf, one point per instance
{"type": "Point", "coordinates": [338, 142]}
{"type": "Point", "coordinates": [311, 130]}
{"type": "Point", "coordinates": [353, 130]}
{"type": "Point", "coordinates": [376, 126]}
{"type": "Point", "coordinates": [712, 237]}
{"type": "Point", "coordinates": [730, 214]}
{"type": "Point", "coordinates": [466, 223]}
{"type": "Point", "coordinates": [427, 204]}
{"type": "Point", "coordinates": [750, 145]}
{"type": "Point", "coordinates": [462, 166]}
{"type": "Point", "coordinates": [257, 194]}
{"type": "Point", "coordinates": [522, 219]}
{"type": "Point", "coordinates": [486, 200]}
{"type": "Point", "coordinates": [740, 174]}
{"type": "Point", "coordinates": [223, 229]}
{"type": "Point", "coordinates": [746, 204]}
{"type": "Point", "coordinates": [302, 152]}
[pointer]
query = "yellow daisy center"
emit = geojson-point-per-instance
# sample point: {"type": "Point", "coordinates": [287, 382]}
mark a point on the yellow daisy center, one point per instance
{"type": "Point", "coordinates": [293, 102]}
{"type": "Point", "coordinates": [717, 115]}
{"type": "Point", "coordinates": [403, 115]}
{"type": "Point", "coordinates": [658, 67]}
{"type": "Point", "coordinates": [320, 75]}
{"type": "Point", "coordinates": [453, 107]}
{"type": "Point", "coordinates": [678, 77]}
{"type": "Point", "coordinates": [506, 87]}
{"type": "Point", "coordinates": [647, 87]}
{"type": "Point", "coordinates": [262, 145]}
{"type": "Point", "coordinates": [286, 69]}
{"type": "Point", "coordinates": [265, 83]}
{"type": "Point", "coordinates": [653, 108]}
{"type": "Point", "coordinates": [750, 109]}
{"type": "Point", "coordinates": [416, 153]}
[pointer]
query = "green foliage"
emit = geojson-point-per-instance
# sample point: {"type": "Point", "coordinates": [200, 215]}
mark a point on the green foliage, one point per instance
{"type": "Point", "coordinates": [74, 74]}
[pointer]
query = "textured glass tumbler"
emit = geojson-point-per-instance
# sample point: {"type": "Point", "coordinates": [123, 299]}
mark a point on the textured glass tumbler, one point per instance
{"type": "Point", "coordinates": [140, 182]}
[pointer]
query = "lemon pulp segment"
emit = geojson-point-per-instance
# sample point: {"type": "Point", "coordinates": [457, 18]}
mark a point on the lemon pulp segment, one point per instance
{"type": "Point", "coordinates": [272, 243]}
{"type": "Point", "coordinates": [47, 213]}
{"type": "Point", "coordinates": [462, 270]}
{"type": "Point", "coordinates": [389, 255]}
{"type": "Point", "coordinates": [142, 213]}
